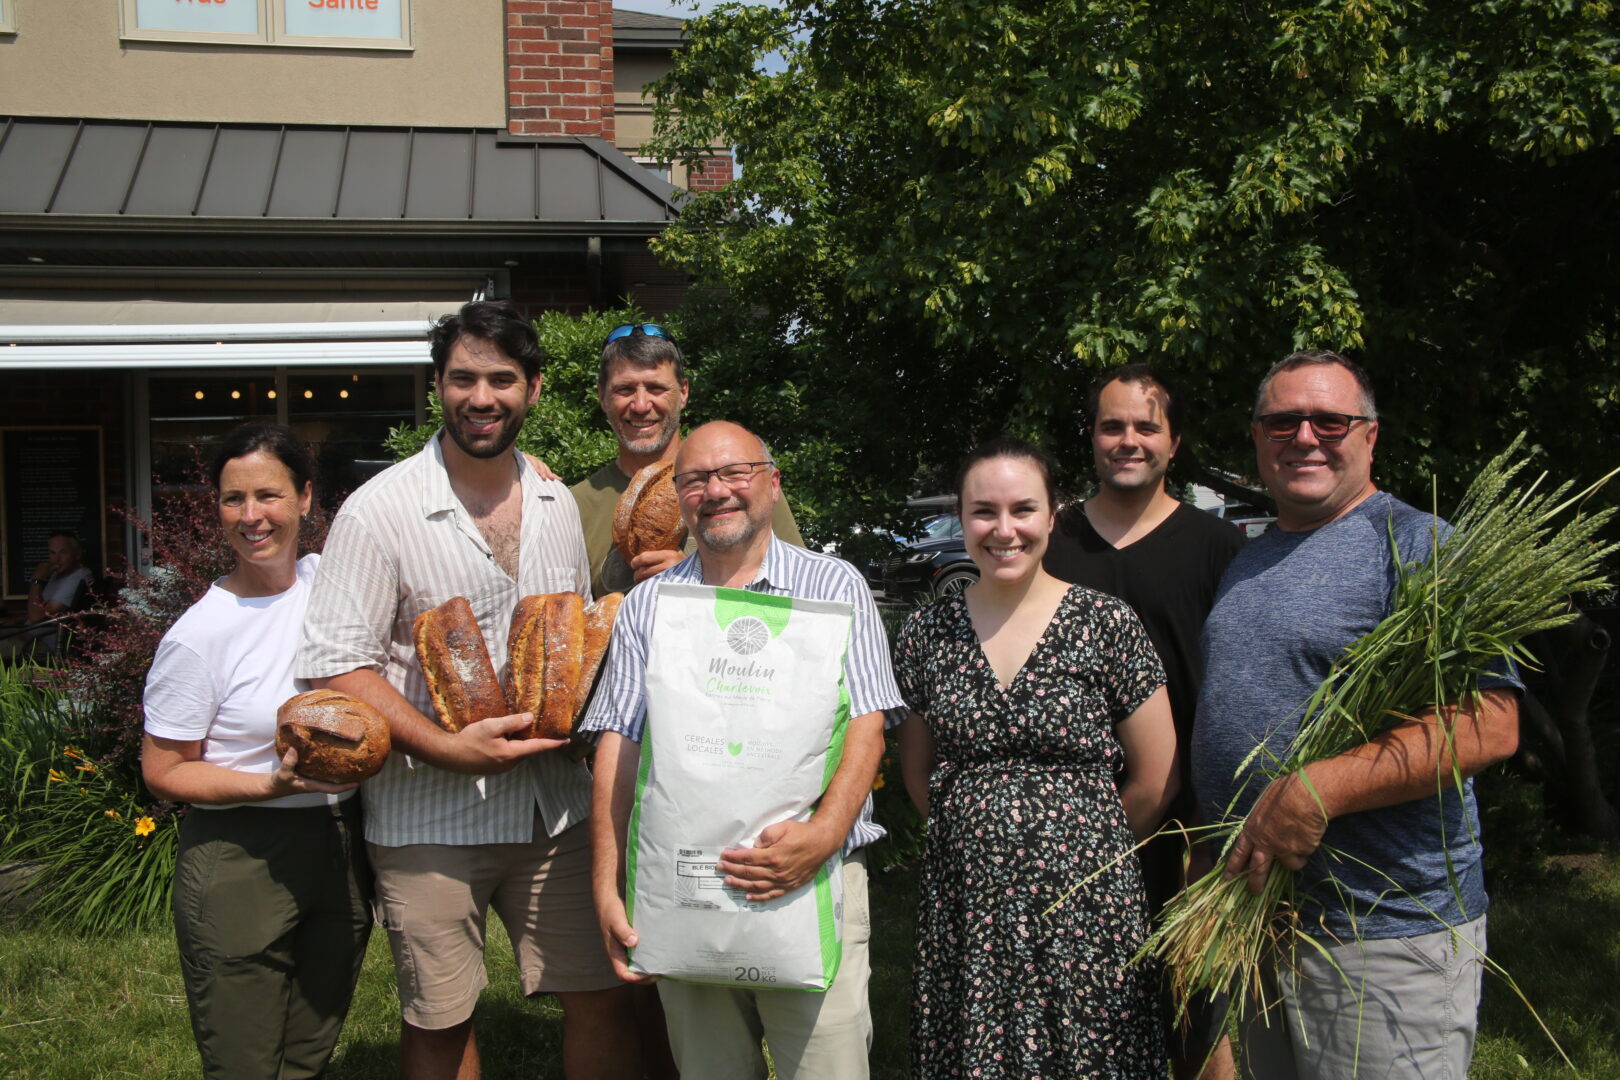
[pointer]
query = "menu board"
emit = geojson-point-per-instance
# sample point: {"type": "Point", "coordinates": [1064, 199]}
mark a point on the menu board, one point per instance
{"type": "Point", "coordinates": [53, 482]}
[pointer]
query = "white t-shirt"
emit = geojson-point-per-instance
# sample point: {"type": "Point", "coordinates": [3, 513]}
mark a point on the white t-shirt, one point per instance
{"type": "Point", "coordinates": [223, 670]}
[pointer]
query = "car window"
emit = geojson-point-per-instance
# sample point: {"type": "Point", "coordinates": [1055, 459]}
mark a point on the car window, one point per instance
{"type": "Point", "coordinates": [943, 527]}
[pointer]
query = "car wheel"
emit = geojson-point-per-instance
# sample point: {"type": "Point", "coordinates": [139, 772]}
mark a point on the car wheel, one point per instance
{"type": "Point", "coordinates": [954, 581]}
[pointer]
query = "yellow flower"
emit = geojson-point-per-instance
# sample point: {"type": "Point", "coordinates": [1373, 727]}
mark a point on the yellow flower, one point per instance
{"type": "Point", "coordinates": [57, 778]}
{"type": "Point", "coordinates": [85, 768]}
{"type": "Point", "coordinates": [115, 815]}
{"type": "Point", "coordinates": [878, 783]}
{"type": "Point", "coordinates": [72, 752]}
{"type": "Point", "coordinates": [144, 826]}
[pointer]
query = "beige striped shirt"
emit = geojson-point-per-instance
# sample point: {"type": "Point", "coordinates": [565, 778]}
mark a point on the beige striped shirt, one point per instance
{"type": "Point", "coordinates": [402, 544]}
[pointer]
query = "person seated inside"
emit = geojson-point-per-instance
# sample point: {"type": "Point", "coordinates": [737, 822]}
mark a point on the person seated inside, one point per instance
{"type": "Point", "coordinates": [60, 586]}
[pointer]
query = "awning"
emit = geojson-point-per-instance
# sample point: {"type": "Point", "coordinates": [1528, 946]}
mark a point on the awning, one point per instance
{"type": "Point", "coordinates": [156, 335]}
{"type": "Point", "coordinates": [186, 357]}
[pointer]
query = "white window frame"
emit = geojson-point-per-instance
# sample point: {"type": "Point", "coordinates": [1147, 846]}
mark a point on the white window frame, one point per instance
{"type": "Point", "coordinates": [272, 31]}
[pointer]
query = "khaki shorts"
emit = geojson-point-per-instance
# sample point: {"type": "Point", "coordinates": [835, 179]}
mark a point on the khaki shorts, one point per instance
{"type": "Point", "coordinates": [433, 898]}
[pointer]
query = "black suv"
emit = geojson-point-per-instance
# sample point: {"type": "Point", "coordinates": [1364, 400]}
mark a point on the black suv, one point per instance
{"type": "Point", "coordinates": [936, 563]}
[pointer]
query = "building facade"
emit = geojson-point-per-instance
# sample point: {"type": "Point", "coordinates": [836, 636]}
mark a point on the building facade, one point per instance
{"type": "Point", "coordinates": [215, 210]}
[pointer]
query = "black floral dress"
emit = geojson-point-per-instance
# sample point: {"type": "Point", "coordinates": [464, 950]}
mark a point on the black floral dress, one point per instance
{"type": "Point", "coordinates": [1023, 808]}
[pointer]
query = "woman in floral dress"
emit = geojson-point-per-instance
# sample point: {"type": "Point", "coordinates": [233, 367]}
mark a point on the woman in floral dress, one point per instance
{"type": "Point", "coordinates": [1040, 748]}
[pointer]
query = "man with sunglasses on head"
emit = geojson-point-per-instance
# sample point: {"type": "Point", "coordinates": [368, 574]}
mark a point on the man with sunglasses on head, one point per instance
{"type": "Point", "coordinates": [1163, 557]}
{"type": "Point", "coordinates": [1384, 843]}
{"type": "Point", "coordinates": [642, 387]}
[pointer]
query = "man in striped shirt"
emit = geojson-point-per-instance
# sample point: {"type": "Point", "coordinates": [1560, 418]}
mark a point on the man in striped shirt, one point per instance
{"type": "Point", "coordinates": [729, 488]}
{"type": "Point", "coordinates": [458, 822]}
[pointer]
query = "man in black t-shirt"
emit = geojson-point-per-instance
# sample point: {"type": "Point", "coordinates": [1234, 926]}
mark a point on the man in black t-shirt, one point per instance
{"type": "Point", "coordinates": [1136, 541]}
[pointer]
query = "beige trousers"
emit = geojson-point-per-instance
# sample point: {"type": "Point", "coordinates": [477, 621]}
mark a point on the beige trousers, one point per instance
{"type": "Point", "coordinates": [715, 1031]}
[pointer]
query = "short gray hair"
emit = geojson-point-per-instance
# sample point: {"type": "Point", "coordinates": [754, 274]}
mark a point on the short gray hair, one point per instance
{"type": "Point", "coordinates": [1319, 358]}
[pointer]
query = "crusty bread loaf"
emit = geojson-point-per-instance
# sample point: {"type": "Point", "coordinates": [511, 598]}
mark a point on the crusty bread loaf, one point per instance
{"type": "Point", "coordinates": [460, 677]}
{"type": "Point", "coordinates": [339, 739]}
{"type": "Point", "coordinates": [556, 647]}
{"type": "Point", "coordinates": [526, 656]}
{"type": "Point", "coordinates": [648, 514]}
{"type": "Point", "coordinates": [565, 643]}
{"type": "Point", "coordinates": [598, 629]}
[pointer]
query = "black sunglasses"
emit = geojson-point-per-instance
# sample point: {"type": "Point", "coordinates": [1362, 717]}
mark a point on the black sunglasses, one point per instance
{"type": "Point", "coordinates": [1327, 426]}
{"type": "Point", "coordinates": [647, 328]}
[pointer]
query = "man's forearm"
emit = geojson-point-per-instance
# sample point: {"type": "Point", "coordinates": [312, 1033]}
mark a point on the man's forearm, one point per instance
{"type": "Point", "coordinates": [852, 782]}
{"type": "Point", "coordinates": [1417, 757]}
{"type": "Point", "coordinates": [612, 791]}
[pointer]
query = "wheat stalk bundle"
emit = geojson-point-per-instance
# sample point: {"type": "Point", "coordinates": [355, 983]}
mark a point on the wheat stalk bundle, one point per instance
{"type": "Point", "coordinates": [1506, 569]}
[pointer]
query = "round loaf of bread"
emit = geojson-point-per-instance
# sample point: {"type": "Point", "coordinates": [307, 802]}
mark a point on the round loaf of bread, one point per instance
{"type": "Point", "coordinates": [339, 739]}
{"type": "Point", "coordinates": [648, 514]}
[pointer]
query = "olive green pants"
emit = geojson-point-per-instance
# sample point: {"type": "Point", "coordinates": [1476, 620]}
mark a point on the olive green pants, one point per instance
{"type": "Point", "coordinates": [271, 915]}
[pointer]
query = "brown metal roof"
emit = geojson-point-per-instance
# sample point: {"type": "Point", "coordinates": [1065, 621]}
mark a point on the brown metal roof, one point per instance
{"type": "Point", "coordinates": [111, 169]}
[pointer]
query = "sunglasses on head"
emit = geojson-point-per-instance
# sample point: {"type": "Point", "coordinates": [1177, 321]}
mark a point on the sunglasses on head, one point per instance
{"type": "Point", "coordinates": [1326, 426]}
{"type": "Point", "coordinates": [629, 329]}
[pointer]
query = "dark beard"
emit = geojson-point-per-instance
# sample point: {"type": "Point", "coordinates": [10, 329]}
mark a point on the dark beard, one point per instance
{"type": "Point", "coordinates": [505, 435]}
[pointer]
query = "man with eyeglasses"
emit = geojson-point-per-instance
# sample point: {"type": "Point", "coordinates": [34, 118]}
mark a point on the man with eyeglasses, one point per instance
{"type": "Point", "coordinates": [642, 387]}
{"type": "Point", "coordinates": [1163, 557]}
{"type": "Point", "coordinates": [1385, 844]}
{"type": "Point", "coordinates": [728, 489]}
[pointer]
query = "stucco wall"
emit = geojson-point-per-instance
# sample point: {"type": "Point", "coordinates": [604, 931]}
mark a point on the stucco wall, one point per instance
{"type": "Point", "coordinates": [67, 60]}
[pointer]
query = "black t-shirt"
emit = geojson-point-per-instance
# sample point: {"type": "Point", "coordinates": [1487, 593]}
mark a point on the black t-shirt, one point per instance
{"type": "Point", "coordinates": [1168, 577]}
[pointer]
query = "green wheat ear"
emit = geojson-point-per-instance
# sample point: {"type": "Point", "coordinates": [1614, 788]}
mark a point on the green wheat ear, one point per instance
{"type": "Point", "coordinates": [734, 748]}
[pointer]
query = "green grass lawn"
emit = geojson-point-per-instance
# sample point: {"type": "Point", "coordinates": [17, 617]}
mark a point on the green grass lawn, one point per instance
{"type": "Point", "coordinates": [73, 1008]}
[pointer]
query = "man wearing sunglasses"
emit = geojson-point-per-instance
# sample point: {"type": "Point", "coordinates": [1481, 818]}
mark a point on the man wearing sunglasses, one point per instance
{"type": "Point", "coordinates": [1384, 843]}
{"type": "Point", "coordinates": [642, 388]}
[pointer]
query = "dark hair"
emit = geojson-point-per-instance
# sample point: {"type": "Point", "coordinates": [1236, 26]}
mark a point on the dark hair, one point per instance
{"type": "Point", "coordinates": [1007, 447]}
{"type": "Point", "coordinates": [642, 351]}
{"type": "Point", "coordinates": [279, 442]}
{"type": "Point", "coordinates": [1317, 358]}
{"type": "Point", "coordinates": [1146, 376]}
{"type": "Point", "coordinates": [493, 320]}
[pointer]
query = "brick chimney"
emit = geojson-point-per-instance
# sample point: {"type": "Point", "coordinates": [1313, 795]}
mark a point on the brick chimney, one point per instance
{"type": "Point", "coordinates": [559, 67]}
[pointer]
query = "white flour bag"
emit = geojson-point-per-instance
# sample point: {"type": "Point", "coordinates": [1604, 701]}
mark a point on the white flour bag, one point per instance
{"type": "Point", "coordinates": [746, 715]}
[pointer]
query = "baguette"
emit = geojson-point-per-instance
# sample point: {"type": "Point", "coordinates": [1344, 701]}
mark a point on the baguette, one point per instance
{"type": "Point", "coordinates": [565, 640]}
{"type": "Point", "coordinates": [339, 739]}
{"type": "Point", "coordinates": [648, 514]}
{"type": "Point", "coordinates": [557, 646]}
{"type": "Point", "coordinates": [598, 630]}
{"type": "Point", "coordinates": [460, 677]}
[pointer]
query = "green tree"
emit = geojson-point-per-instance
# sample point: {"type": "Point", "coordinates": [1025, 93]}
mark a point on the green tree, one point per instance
{"type": "Point", "coordinates": [951, 213]}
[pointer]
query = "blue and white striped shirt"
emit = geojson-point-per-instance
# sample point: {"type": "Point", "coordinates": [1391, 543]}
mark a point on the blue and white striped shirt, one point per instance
{"type": "Point", "coordinates": [620, 701]}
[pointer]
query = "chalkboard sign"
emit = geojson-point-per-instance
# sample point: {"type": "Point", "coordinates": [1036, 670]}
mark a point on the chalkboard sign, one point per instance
{"type": "Point", "coordinates": [53, 482]}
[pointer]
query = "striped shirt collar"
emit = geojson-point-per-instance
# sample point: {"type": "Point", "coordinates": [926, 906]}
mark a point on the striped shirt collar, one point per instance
{"type": "Point", "coordinates": [775, 573]}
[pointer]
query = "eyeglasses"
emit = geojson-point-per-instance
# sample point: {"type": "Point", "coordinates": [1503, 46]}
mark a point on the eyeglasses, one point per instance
{"type": "Point", "coordinates": [1327, 426]}
{"type": "Point", "coordinates": [734, 476]}
{"type": "Point", "coordinates": [629, 329]}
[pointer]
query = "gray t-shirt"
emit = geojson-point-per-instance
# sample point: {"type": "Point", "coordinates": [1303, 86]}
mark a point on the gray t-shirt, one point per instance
{"type": "Point", "coordinates": [1286, 609]}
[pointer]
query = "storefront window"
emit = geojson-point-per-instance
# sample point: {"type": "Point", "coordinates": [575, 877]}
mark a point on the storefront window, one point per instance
{"type": "Point", "coordinates": [345, 418]}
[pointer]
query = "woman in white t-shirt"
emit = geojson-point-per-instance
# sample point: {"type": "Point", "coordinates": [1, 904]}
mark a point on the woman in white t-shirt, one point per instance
{"type": "Point", "coordinates": [271, 884]}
